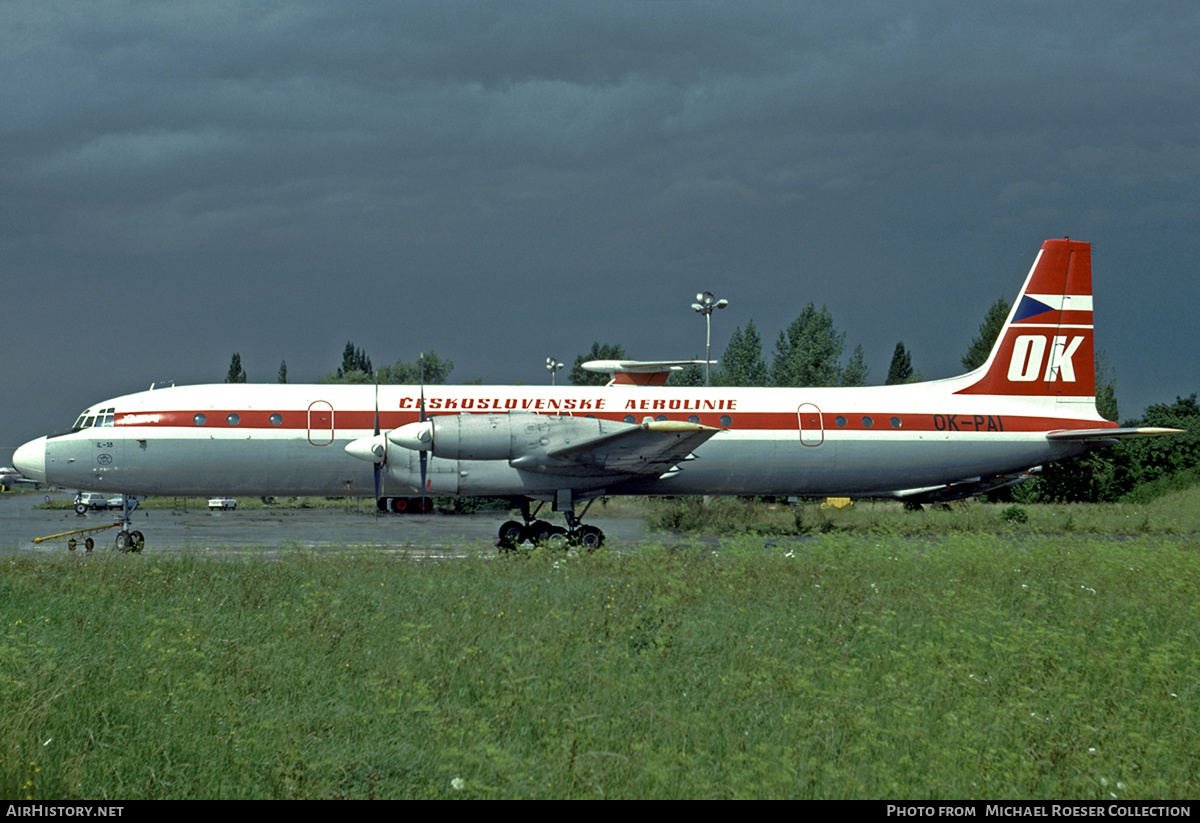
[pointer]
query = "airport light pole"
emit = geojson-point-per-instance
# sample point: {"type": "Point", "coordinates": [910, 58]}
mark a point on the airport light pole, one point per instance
{"type": "Point", "coordinates": [705, 303]}
{"type": "Point", "coordinates": [552, 366]}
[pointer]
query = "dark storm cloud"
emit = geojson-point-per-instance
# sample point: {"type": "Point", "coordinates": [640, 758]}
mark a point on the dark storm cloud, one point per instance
{"type": "Point", "coordinates": [502, 181]}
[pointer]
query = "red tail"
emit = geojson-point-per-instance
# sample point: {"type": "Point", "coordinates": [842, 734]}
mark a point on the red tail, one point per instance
{"type": "Point", "coordinates": [1045, 348]}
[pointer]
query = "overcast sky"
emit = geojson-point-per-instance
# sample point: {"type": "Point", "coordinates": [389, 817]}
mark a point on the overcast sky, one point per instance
{"type": "Point", "coordinates": [504, 181]}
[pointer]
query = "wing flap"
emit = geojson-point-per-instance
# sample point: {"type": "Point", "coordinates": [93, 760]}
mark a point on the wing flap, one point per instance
{"type": "Point", "coordinates": [650, 449]}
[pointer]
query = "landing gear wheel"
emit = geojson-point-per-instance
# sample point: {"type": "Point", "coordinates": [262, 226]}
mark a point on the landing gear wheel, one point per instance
{"type": "Point", "coordinates": [590, 538]}
{"type": "Point", "coordinates": [137, 541]}
{"type": "Point", "coordinates": [80, 508]}
{"type": "Point", "coordinates": [539, 531]}
{"type": "Point", "coordinates": [71, 544]}
{"type": "Point", "coordinates": [123, 541]}
{"type": "Point", "coordinates": [88, 544]}
{"type": "Point", "coordinates": [512, 534]}
{"type": "Point", "coordinates": [558, 539]}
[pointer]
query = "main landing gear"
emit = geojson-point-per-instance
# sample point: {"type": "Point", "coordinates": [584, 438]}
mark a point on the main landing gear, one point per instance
{"type": "Point", "coordinates": [542, 533]}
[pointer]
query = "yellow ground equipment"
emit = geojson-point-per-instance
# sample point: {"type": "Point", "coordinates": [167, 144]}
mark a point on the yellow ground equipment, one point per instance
{"type": "Point", "coordinates": [126, 541]}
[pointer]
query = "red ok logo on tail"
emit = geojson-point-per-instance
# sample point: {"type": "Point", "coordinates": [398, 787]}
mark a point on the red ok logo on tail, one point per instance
{"type": "Point", "coordinates": [1045, 347]}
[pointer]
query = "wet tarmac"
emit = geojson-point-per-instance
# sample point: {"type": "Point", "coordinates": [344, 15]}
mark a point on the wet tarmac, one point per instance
{"type": "Point", "coordinates": [269, 530]}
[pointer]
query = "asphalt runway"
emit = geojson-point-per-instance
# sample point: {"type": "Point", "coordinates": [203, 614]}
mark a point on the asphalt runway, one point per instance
{"type": "Point", "coordinates": [270, 530]}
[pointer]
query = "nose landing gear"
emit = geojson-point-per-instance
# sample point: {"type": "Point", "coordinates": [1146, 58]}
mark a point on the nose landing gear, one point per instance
{"type": "Point", "coordinates": [129, 540]}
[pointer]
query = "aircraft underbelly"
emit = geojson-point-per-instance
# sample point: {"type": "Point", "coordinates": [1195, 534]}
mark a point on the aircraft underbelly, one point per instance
{"type": "Point", "coordinates": [847, 467]}
{"type": "Point", "coordinates": [250, 465]}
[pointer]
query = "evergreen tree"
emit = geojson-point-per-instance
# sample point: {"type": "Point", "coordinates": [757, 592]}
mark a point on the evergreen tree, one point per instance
{"type": "Point", "coordinates": [989, 330]}
{"type": "Point", "coordinates": [807, 353]}
{"type": "Point", "coordinates": [582, 377]}
{"type": "Point", "coordinates": [742, 364]}
{"type": "Point", "coordinates": [354, 360]}
{"type": "Point", "coordinates": [236, 373]}
{"type": "Point", "coordinates": [856, 371]}
{"type": "Point", "coordinates": [1106, 391]}
{"type": "Point", "coordinates": [901, 370]}
{"type": "Point", "coordinates": [282, 371]}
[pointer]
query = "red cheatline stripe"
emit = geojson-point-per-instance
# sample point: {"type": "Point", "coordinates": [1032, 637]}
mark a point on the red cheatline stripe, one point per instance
{"type": "Point", "coordinates": [250, 420]}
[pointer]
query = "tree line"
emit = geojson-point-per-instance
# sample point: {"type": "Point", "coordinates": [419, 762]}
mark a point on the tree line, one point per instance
{"type": "Point", "coordinates": [429, 368]}
{"type": "Point", "coordinates": [808, 353]}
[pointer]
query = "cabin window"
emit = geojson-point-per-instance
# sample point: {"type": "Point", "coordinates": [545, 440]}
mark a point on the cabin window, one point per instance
{"type": "Point", "coordinates": [661, 417]}
{"type": "Point", "coordinates": [895, 422]}
{"type": "Point", "coordinates": [841, 421]}
{"type": "Point", "coordinates": [233, 419]}
{"type": "Point", "coordinates": [726, 420]}
{"type": "Point", "coordinates": [629, 418]}
{"type": "Point", "coordinates": [199, 419]}
{"type": "Point", "coordinates": [276, 419]}
{"type": "Point", "coordinates": [693, 418]}
{"type": "Point", "coordinates": [867, 421]}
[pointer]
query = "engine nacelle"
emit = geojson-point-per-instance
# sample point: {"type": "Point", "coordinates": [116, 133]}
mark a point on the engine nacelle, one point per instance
{"type": "Point", "coordinates": [498, 436]}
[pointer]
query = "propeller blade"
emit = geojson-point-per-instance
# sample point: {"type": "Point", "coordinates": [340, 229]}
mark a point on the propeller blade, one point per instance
{"type": "Point", "coordinates": [424, 453]}
{"type": "Point", "coordinates": [378, 467]}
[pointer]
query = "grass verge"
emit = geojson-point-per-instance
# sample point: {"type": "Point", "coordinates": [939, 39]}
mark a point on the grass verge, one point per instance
{"type": "Point", "coordinates": [842, 666]}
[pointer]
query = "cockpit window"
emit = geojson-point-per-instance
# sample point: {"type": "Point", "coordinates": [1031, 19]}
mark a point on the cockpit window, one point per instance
{"type": "Point", "coordinates": [87, 420]}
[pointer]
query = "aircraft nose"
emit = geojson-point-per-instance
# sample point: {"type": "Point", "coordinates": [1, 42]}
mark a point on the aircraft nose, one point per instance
{"type": "Point", "coordinates": [30, 460]}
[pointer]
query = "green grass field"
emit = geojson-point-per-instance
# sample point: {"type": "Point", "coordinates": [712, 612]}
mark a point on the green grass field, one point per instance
{"type": "Point", "coordinates": [842, 665]}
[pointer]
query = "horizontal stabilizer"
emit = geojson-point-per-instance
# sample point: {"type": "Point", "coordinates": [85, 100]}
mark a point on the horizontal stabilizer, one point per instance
{"type": "Point", "coordinates": [639, 366]}
{"type": "Point", "coordinates": [640, 372]}
{"type": "Point", "coordinates": [1108, 434]}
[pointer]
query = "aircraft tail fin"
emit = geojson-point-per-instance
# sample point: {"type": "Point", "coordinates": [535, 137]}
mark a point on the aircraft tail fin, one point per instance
{"type": "Point", "coordinates": [1045, 348]}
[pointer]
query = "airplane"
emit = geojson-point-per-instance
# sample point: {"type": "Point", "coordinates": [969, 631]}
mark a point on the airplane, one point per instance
{"type": "Point", "coordinates": [10, 477]}
{"type": "Point", "coordinates": [1031, 403]}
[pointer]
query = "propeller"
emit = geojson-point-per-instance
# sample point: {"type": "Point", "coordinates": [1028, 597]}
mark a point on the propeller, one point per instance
{"type": "Point", "coordinates": [379, 466]}
{"type": "Point", "coordinates": [424, 454]}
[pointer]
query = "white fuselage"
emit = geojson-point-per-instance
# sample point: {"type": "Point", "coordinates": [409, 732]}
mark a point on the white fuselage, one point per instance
{"type": "Point", "coordinates": [290, 439]}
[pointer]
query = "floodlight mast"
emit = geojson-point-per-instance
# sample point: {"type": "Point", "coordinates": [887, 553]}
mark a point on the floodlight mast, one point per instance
{"type": "Point", "coordinates": [705, 303]}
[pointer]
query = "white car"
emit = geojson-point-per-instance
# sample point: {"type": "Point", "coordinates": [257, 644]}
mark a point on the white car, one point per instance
{"type": "Point", "coordinates": [89, 500]}
{"type": "Point", "coordinates": [222, 503]}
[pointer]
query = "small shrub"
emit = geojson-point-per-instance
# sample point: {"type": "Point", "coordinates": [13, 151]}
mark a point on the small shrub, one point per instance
{"type": "Point", "coordinates": [1015, 514]}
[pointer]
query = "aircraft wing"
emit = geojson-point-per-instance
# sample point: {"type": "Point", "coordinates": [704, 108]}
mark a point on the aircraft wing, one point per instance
{"type": "Point", "coordinates": [1108, 434]}
{"type": "Point", "coordinates": [651, 449]}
